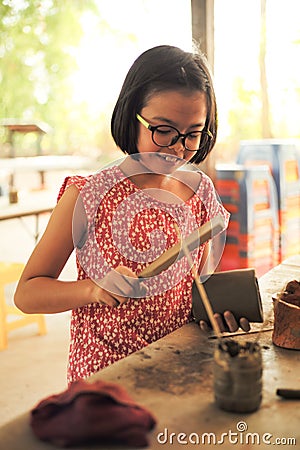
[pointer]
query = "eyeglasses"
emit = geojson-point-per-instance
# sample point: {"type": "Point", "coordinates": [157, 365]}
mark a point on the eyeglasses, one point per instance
{"type": "Point", "coordinates": [166, 136]}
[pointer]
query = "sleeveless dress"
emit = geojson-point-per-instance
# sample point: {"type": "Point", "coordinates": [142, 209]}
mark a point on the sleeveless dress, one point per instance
{"type": "Point", "coordinates": [129, 227]}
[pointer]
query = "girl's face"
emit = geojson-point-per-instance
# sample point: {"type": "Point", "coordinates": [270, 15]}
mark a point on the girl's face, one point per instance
{"type": "Point", "coordinates": [184, 110]}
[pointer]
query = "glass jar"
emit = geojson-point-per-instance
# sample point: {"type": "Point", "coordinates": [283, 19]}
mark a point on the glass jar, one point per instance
{"type": "Point", "coordinates": [238, 376]}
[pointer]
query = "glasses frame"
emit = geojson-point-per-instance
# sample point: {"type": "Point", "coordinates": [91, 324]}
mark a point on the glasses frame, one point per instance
{"type": "Point", "coordinates": [181, 136]}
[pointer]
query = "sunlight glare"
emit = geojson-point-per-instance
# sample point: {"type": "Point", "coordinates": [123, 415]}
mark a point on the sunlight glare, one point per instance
{"type": "Point", "coordinates": [111, 44]}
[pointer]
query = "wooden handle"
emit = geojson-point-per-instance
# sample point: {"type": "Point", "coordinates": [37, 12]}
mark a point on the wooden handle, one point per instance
{"type": "Point", "coordinates": [192, 241]}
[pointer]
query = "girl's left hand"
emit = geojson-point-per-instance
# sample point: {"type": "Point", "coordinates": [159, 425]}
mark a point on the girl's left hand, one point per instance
{"type": "Point", "coordinates": [227, 322]}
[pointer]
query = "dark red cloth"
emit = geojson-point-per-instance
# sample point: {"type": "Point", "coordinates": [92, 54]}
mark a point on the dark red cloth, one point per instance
{"type": "Point", "coordinates": [92, 412]}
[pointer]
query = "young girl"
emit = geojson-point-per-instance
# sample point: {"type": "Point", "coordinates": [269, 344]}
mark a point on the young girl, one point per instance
{"type": "Point", "coordinates": [122, 218]}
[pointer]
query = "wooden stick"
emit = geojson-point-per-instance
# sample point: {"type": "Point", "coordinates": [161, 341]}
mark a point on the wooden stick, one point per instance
{"type": "Point", "coordinates": [242, 333]}
{"type": "Point", "coordinates": [206, 302]}
{"type": "Point", "coordinates": [192, 241]}
{"type": "Point", "coordinates": [200, 287]}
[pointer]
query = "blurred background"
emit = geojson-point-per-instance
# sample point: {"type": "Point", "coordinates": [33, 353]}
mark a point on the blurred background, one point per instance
{"type": "Point", "coordinates": [62, 65]}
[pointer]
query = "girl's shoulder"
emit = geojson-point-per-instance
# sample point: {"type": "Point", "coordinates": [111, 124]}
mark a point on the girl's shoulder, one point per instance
{"type": "Point", "coordinates": [195, 179]}
{"type": "Point", "coordinates": [77, 180]}
{"type": "Point", "coordinates": [91, 182]}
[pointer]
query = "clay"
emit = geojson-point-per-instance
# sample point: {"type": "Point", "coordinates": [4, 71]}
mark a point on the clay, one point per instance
{"type": "Point", "coordinates": [286, 331]}
{"type": "Point", "coordinates": [286, 306]}
{"type": "Point", "coordinates": [291, 294]}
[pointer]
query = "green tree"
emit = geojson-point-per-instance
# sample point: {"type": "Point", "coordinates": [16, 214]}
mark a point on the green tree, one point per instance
{"type": "Point", "coordinates": [37, 41]}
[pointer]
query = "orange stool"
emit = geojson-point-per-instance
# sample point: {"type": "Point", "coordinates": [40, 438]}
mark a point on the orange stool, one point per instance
{"type": "Point", "coordinates": [10, 272]}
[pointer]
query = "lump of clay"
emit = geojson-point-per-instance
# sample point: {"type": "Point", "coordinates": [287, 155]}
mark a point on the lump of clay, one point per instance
{"type": "Point", "coordinates": [291, 294]}
{"type": "Point", "coordinates": [286, 331]}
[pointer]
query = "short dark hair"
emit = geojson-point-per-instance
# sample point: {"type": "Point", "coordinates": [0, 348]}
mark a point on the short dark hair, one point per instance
{"type": "Point", "coordinates": [158, 69]}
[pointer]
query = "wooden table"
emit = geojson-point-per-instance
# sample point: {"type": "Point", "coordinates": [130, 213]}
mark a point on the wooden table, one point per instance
{"type": "Point", "coordinates": [173, 378]}
{"type": "Point", "coordinates": [32, 204]}
{"type": "Point", "coordinates": [14, 126]}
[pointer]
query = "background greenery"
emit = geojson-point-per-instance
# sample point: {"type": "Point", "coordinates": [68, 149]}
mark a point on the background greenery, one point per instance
{"type": "Point", "coordinates": [38, 40]}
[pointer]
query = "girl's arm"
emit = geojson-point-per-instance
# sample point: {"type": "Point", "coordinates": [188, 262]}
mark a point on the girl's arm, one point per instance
{"type": "Point", "coordinates": [39, 290]}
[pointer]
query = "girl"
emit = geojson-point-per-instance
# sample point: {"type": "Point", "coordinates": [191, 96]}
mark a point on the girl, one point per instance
{"type": "Point", "coordinates": [123, 217]}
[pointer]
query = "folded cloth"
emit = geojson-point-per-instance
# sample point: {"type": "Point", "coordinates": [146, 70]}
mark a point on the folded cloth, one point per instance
{"type": "Point", "coordinates": [99, 412]}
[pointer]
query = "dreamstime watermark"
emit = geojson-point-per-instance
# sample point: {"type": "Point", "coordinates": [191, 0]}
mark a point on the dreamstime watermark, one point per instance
{"type": "Point", "coordinates": [239, 436]}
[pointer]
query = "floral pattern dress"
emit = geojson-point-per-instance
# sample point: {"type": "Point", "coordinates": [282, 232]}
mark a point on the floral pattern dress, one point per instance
{"type": "Point", "coordinates": [129, 227]}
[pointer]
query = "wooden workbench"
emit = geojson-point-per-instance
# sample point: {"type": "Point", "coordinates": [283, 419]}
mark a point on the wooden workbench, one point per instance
{"type": "Point", "coordinates": [173, 378]}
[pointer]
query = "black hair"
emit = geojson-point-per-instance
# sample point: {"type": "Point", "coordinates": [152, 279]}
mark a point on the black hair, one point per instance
{"type": "Point", "coordinates": [162, 68]}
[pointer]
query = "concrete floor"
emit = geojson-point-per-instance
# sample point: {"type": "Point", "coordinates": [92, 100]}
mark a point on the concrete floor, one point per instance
{"type": "Point", "coordinates": [32, 367]}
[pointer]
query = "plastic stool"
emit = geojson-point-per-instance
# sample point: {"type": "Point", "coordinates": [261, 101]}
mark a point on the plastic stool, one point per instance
{"type": "Point", "coordinates": [10, 272]}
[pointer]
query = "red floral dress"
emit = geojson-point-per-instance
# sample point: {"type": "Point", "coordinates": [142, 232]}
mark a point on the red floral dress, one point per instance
{"type": "Point", "coordinates": [129, 227]}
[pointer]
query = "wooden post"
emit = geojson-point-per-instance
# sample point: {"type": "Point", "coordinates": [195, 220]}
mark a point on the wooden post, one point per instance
{"type": "Point", "coordinates": [203, 35]}
{"type": "Point", "coordinates": [203, 27]}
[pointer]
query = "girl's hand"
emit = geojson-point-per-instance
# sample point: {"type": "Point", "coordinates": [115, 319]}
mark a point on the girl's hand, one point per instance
{"type": "Point", "coordinates": [226, 322]}
{"type": "Point", "coordinates": [117, 287]}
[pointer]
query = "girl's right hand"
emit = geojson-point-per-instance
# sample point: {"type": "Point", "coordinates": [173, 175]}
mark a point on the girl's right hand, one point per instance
{"type": "Point", "coordinates": [117, 287]}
